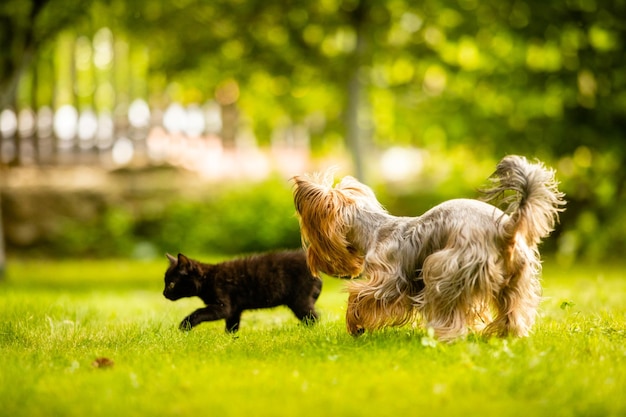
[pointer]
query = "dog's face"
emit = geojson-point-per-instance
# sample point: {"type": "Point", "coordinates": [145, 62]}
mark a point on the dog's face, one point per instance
{"type": "Point", "coordinates": [327, 216]}
{"type": "Point", "coordinates": [181, 278]}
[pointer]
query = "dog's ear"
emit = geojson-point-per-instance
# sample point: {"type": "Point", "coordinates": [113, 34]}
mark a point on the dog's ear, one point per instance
{"type": "Point", "coordinates": [173, 261]}
{"type": "Point", "coordinates": [322, 212]}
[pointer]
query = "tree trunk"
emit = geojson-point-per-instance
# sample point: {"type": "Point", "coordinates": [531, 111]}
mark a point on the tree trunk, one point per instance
{"type": "Point", "coordinates": [354, 132]}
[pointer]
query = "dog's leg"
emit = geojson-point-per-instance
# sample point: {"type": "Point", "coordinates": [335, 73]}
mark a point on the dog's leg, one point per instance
{"type": "Point", "coordinates": [451, 278]}
{"type": "Point", "coordinates": [375, 304]}
{"type": "Point", "coordinates": [516, 305]}
{"type": "Point", "coordinates": [353, 316]}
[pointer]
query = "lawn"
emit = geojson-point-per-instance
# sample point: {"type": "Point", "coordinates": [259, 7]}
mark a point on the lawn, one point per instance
{"type": "Point", "coordinates": [59, 317]}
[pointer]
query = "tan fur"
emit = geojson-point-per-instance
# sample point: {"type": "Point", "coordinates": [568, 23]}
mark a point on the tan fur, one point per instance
{"type": "Point", "coordinates": [327, 249]}
{"type": "Point", "coordinates": [464, 265]}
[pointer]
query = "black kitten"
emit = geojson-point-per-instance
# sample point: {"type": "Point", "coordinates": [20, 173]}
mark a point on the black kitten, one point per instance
{"type": "Point", "coordinates": [229, 288]}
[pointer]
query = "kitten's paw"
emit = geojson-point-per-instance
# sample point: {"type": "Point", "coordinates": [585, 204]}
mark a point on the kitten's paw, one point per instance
{"type": "Point", "coordinates": [185, 325]}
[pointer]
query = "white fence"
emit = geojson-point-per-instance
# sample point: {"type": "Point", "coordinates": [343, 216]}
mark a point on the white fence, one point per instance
{"type": "Point", "coordinates": [191, 137]}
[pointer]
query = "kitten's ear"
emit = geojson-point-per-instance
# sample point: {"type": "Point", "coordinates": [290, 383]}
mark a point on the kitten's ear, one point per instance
{"type": "Point", "coordinates": [183, 261]}
{"type": "Point", "coordinates": [173, 261]}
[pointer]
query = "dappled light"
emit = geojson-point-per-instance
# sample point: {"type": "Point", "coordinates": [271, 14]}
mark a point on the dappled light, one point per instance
{"type": "Point", "coordinates": [420, 98]}
{"type": "Point", "coordinates": [139, 114]}
{"type": "Point", "coordinates": [401, 164]}
{"type": "Point", "coordinates": [123, 150]}
{"type": "Point", "coordinates": [87, 129]}
{"type": "Point", "coordinates": [462, 161]}
{"type": "Point", "coordinates": [8, 125]}
{"type": "Point", "coordinates": [65, 125]}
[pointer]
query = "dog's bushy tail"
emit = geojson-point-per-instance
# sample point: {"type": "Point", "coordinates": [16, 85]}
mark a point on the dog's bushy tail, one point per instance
{"type": "Point", "coordinates": [532, 195]}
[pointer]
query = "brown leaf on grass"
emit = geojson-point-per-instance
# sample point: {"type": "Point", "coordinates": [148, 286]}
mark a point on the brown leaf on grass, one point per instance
{"type": "Point", "coordinates": [102, 362]}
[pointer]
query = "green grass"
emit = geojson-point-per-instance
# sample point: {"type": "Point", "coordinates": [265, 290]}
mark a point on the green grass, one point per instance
{"type": "Point", "coordinates": [57, 317]}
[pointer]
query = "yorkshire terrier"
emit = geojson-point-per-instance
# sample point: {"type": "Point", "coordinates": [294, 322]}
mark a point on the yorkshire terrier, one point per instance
{"type": "Point", "coordinates": [464, 265]}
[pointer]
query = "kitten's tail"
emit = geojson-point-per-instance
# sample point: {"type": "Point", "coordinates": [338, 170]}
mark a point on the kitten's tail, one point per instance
{"type": "Point", "coordinates": [534, 201]}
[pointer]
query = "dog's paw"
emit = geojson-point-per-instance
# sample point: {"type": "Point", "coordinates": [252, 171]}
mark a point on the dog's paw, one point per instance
{"type": "Point", "coordinates": [356, 330]}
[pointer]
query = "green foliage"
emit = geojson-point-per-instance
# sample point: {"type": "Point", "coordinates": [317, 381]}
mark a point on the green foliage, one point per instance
{"type": "Point", "coordinates": [246, 218]}
{"type": "Point", "coordinates": [544, 79]}
{"type": "Point", "coordinates": [243, 218]}
{"type": "Point", "coordinates": [594, 222]}
{"type": "Point", "coordinates": [108, 233]}
{"type": "Point", "coordinates": [525, 77]}
{"type": "Point", "coordinates": [59, 317]}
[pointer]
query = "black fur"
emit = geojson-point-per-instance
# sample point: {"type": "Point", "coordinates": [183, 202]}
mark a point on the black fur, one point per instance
{"type": "Point", "coordinates": [229, 288]}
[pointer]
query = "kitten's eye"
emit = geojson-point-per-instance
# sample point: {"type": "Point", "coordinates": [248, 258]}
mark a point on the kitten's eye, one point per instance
{"type": "Point", "coordinates": [171, 285]}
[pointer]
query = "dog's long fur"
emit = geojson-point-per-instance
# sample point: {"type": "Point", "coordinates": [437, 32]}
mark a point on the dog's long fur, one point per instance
{"type": "Point", "coordinates": [463, 265]}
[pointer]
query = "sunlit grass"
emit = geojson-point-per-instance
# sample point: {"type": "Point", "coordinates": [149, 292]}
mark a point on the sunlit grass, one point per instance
{"type": "Point", "coordinates": [58, 317]}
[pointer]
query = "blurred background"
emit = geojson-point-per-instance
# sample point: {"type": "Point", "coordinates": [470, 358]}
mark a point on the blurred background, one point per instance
{"type": "Point", "coordinates": [131, 128]}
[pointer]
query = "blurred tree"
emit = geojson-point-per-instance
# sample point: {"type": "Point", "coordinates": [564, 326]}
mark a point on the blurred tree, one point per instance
{"type": "Point", "coordinates": [17, 27]}
{"type": "Point", "coordinates": [26, 25]}
{"type": "Point", "coordinates": [544, 79]}
{"type": "Point", "coordinates": [284, 52]}
{"type": "Point", "coordinates": [539, 76]}
{"type": "Point", "coordinates": [526, 76]}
